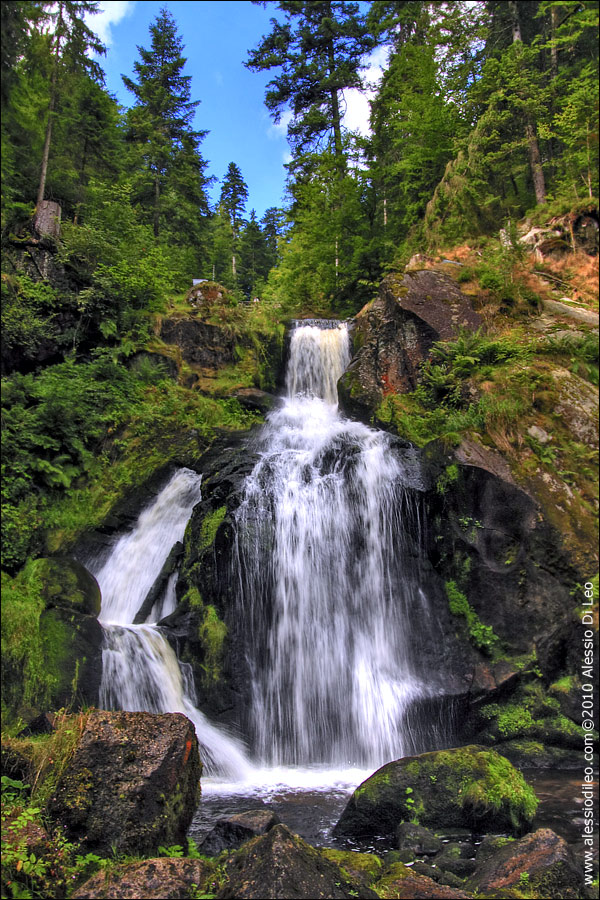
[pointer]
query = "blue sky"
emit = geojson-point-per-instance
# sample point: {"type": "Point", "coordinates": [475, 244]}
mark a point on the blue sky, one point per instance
{"type": "Point", "coordinates": [217, 35]}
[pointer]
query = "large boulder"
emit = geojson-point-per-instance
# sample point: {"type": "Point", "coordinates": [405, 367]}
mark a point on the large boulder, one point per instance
{"type": "Point", "coordinates": [541, 862]}
{"type": "Point", "coordinates": [132, 783]}
{"type": "Point", "coordinates": [150, 879]}
{"type": "Point", "coordinates": [394, 333]}
{"type": "Point", "coordinates": [281, 864]}
{"type": "Point", "coordinates": [464, 787]}
{"type": "Point", "coordinates": [201, 344]}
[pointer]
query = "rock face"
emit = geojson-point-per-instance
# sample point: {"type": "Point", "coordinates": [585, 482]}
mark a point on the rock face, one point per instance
{"type": "Point", "coordinates": [465, 787]}
{"type": "Point", "coordinates": [201, 344]}
{"type": "Point", "coordinates": [232, 832]}
{"type": "Point", "coordinates": [71, 636]}
{"type": "Point", "coordinates": [282, 865]}
{"type": "Point", "coordinates": [541, 861]}
{"type": "Point", "coordinates": [394, 333]}
{"type": "Point", "coordinates": [154, 879]}
{"type": "Point", "coordinates": [132, 783]}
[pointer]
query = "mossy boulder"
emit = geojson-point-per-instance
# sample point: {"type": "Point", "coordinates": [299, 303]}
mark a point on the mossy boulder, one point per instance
{"type": "Point", "coordinates": [468, 787]}
{"type": "Point", "coordinates": [132, 783]}
{"type": "Point", "coordinates": [282, 864]}
{"type": "Point", "coordinates": [541, 862]}
{"type": "Point", "coordinates": [71, 645]}
{"type": "Point", "coordinates": [68, 584]}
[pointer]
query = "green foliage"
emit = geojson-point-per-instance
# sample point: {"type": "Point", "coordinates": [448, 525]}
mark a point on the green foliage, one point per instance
{"type": "Point", "coordinates": [482, 636]}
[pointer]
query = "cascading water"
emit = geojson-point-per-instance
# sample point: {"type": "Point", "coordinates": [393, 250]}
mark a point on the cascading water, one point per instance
{"type": "Point", "coordinates": [327, 553]}
{"type": "Point", "coordinates": [140, 670]}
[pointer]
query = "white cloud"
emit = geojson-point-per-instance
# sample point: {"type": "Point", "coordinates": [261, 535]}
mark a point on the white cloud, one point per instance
{"type": "Point", "coordinates": [279, 129]}
{"type": "Point", "coordinates": [111, 12]}
{"type": "Point", "coordinates": [356, 116]}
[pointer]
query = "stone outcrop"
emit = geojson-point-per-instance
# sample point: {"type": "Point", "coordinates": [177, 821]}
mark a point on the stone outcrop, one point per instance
{"type": "Point", "coordinates": [393, 335]}
{"type": "Point", "coordinates": [235, 830]}
{"type": "Point", "coordinates": [465, 787]}
{"type": "Point", "coordinates": [282, 864]}
{"type": "Point", "coordinates": [132, 783]}
{"type": "Point", "coordinates": [201, 344]}
{"type": "Point", "coordinates": [150, 879]}
{"type": "Point", "coordinates": [541, 861]}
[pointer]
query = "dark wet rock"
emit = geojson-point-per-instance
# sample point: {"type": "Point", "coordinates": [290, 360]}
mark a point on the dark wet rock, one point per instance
{"type": "Point", "coordinates": [541, 860]}
{"type": "Point", "coordinates": [255, 399]}
{"type": "Point", "coordinates": [16, 764]}
{"type": "Point", "coordinates": [281, 864]}
{"type": "Point", "coordinates": [235, 830]}
{"type": "Point", "coordinates": [430, 870]}
{"type": "Point", "coordinates": [457, 859]}
{"type": "Point", "coordinates": [160, 585]}
{"type": "Point", "coordinates": [401, 881]}
{"type": "Point", "coordinates": [201, 344]}
{"type": "Point", "coordinates": [394, 333]}
{"type": "Point", "coordinates": [466, 787]}
{"type": "Point", "coordinates": [154, 879]}
{"type": "Point", "coordinates": [132, 783]}
{"type": "Point", "coordinates": [420, 841]}
{"type": "Point", "coordinates": [45, 723]}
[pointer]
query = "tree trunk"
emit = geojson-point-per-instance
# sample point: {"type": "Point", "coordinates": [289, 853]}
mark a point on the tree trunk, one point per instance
{"type": "Point", "coordinates": [156, 222]}
{"type": "Point", "coordinates": [535, 162]}
{"type": "Point", "coordinates": [51, 107]}
{"type": "Point", "coordinates": [535, 157]}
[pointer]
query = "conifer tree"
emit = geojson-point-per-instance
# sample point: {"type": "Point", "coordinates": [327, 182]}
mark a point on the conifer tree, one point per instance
{"type": "Point", "coordinates": [161, 124]}
{"type": "Point", "coordinates": [234, 194]}
{"type": "Point", "coordinates": [71, 39]}
{"type": "Point", "coordinates": [320, 49]}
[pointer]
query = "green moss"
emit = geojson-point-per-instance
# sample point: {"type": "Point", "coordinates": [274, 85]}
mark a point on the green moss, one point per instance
{"type": "Point", "coordinates": [362, 867]}
{"type": "Point", "coordinates": [502, 788]}
{"type": "Point", "coordinates": [210, 526]}
{"type": "Point", "coordinates": [212, 633]}
{"type": "Point", "coordinates": [481, 636]}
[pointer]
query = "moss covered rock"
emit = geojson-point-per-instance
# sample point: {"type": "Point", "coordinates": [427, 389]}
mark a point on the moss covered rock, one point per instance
{"type": "Point", "coordinates": [401, 881]}
{"type": "Point", "coordinates": [282, 864]}
{"type": "Point", "coordinates": [68, 584]}
{"type": "Point", "coordinates": [132, 783]}
{"type": "Point", "coordinates": [462, 787]}
{"type": "Point", "coordinates": [540, 862]}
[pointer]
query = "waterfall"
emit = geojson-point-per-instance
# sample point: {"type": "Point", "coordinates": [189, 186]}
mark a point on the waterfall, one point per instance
{"type": "Point", "coordinates": [327, 549]}
{"type": "Point", "coordinates": [140, 670]}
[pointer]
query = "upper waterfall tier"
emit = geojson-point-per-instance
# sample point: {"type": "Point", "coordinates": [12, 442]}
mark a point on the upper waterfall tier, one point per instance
{"type": "Point", "coordinates": [319, 355]}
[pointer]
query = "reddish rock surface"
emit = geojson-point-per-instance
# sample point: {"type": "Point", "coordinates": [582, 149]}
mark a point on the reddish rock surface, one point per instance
{"type": "Point", "coordinates": [132, 784]}
{"type": "Point", "coordinates": [550, 867]}
{"type": "Point", "coordinates": [154, 879]}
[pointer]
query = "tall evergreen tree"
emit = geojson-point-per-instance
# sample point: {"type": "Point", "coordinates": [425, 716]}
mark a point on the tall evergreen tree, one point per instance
{"type": "Point", "coordinates": [254, 258]}
{"type": "Point", "coordinates": [71, 40]}
{"type": "Point", "coordinates": [319, 49]}
{"type": "Point", "coordinates": [161, 124]}
{"type": "Point", "coordinates": [234, 195]}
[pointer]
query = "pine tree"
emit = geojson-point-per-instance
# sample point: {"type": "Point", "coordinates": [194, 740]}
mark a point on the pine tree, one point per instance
{"type": "Point", "coordinates": [320, 48]}
{"type": "Point", "coordinates": [254, 258]}
{"type": "Point", "coordinates": [71, 39]}
{"type": "Point", "coordinates": [234, 194]}
{"type": "Point", "coordinates": [160, 123]}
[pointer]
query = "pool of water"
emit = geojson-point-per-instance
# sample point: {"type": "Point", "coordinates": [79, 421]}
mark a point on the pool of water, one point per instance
{"type": "Point", "coordinates": [310, 802]}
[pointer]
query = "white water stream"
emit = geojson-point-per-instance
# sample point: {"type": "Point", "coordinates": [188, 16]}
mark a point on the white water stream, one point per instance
{"type": "Point", "coordinates": [334, 617]}
{"type": "Point", "coordinates": [140, 671]}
